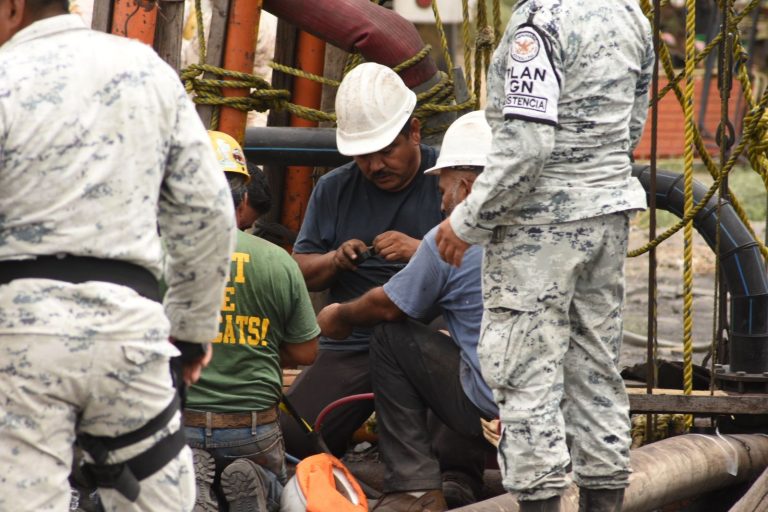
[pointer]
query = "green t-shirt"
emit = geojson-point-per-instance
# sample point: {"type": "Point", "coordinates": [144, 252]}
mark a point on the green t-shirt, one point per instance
{"type": "Point", "coordinates": [266, 303]}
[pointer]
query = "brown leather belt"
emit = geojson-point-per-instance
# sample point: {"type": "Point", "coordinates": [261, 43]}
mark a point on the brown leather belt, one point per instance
{"type": "Point", "coordinates": [229, 419]}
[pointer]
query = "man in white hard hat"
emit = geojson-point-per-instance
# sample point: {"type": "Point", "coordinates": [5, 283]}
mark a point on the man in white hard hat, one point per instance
{"type": "Point", "coordinates": [363, 223]}
{"type": "Point", "coordinates": [101, 153]}
{"type": "Point", "coordinates": [414, 368]}
{"type": "Point", "coordinates": [567, 101]}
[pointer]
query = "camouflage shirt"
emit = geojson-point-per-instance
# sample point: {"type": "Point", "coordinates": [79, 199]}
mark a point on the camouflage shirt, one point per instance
{"type": "Point", "coordinates": [99, 149]}
{"type": "Point", "coordinates": [567, 101]}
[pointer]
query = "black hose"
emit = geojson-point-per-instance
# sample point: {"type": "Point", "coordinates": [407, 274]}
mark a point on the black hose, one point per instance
{"type": "Point", "coordinates": [742, 263]}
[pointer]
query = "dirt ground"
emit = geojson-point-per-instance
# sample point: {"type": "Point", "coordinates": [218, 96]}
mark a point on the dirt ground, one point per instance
{"type": "Point", "coordinates": [670, 298]}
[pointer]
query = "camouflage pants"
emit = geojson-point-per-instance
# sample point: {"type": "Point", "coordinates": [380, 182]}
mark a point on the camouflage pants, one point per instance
{"type": "Point", "coordinates": [51, 387]}
{"type": "Point", "coordinates": [549, 347]}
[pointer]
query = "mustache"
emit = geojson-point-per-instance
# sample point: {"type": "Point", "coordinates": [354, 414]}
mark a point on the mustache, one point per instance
{"type": "Point", "coordinates": [381, 174]}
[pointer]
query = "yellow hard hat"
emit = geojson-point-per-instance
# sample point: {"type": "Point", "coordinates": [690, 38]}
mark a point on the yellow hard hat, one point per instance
{"type": "Point", "coordinates": [229, 154]}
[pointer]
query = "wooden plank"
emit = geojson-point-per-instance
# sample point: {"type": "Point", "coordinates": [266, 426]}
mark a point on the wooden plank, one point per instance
{"type": "Point", "coordinates": [756, 498]}
{"type": "Point", "coordinates": [698, 403]}
{"type": "Point", "coordinates": [214, 54]}
{"type": "Point", "coordinates": [664, 391]}
{"type": "Point", "coordinates": [285, 53]}
{"type": "Point", "coordinates": [170, 23]}
{"type": "Point", "coordinates": [102, 15]}
{"type": "Point", "coordinates": [285, 50]}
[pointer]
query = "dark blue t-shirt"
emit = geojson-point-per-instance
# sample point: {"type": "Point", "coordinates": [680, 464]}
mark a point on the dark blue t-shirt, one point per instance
{"type": "Point", "coordinates": [345, 205]}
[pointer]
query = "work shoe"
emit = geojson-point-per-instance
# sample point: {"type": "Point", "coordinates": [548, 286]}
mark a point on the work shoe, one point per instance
{"type": "Point", "coordinates": [548, 505]}
{"type": "Point", "coordinates": [430, 501]}
{"type": "Point", "coordinates": [600, 500]}
{"type": "Point", "coordinates": [205, 468]}
{"type": "Point", "coordinates": [243, 487]}
{"type": "Point", "coordinates": [457, 492]}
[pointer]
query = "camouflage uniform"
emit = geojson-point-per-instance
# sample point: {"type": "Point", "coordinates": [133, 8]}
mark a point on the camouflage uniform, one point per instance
{"type": "Point", "coordinates": [99, 146]}
{"type": "Point", "coordinates": [567, 101]}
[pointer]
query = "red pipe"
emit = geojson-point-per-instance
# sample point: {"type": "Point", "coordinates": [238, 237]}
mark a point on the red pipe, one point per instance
{"type": "Point", "coordinates": [239, 53]}
{"type": "Point", "coordinates": [135, 19]}
{"type": "Point", "coordinates": [310, 57]}
{"type": "Point", "coordinates": [379, 34]}
{"type": "Point", "coordinates": [338, 403]}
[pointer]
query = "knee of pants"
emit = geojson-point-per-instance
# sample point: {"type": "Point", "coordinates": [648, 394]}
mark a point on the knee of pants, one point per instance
{"type": "Point", "coordinates": [385, 336]}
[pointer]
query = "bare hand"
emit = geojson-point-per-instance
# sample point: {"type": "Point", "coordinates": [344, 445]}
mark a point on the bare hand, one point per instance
{"type": "Point", "coordinates": [395, 246]}
{"type": "Point", "coordinates": [331, 323]}
{"type": "Point", "coordinates": [450, 246]}
{"type": "Point", "coordinates": [193, 369]}
{"type": "Point", "coordinates": [348, 253]}
{"type": "Point", "coordinates": [491, 431]}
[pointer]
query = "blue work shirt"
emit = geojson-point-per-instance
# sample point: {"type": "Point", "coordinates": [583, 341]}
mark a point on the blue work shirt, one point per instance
{"type": "Point", "coordinates": [428, 281]}
{"type": "Point", "coordinates": [346, 205]}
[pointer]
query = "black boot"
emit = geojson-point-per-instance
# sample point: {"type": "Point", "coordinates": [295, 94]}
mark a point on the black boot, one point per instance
{"type": "Point", "coordinates": [600, 500]}
{"type": "Point", "coordinates": [548, 505]}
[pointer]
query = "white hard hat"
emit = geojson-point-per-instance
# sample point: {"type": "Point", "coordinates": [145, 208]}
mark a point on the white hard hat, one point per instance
{"type": "Point", "coordinates": [466, 142]}
{"type": "Point", "coordinates": [372, 106]}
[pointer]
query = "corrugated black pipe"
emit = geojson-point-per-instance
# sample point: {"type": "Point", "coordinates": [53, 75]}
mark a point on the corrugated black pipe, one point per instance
{"type": "Point", "coordinates": [742, 263]}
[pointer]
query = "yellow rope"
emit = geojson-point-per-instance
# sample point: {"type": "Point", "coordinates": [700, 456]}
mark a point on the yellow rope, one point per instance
{"type": "Point", "coordinates": [751, 121]}
{"type": "Point", "coordinates": [665, 426]}
{"type": "Point", "coordinates": [303, 74]}
{"type": "Point", "coordinates": [701, 149]}
{"type": "Point", "coordinates": [443, 39]}
{"type": "Point", "coordinates": [484, 42]}
{"type": "Point", "coordinates": [690, 55]}
{"type": "Point", "coordinates": [467, 48]}
{"type": "Point", "coordinates": [732, 25]}
{"type": "Point", "coordinates": [262, 97]}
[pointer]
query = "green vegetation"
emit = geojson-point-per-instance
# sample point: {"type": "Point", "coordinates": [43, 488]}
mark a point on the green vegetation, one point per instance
{"type": "Point", "coordinates": [745, 184]}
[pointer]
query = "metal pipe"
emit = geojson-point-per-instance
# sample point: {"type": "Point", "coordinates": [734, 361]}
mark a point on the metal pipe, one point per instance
{"type": "Point", "coordinates": [671, 470]}
{"type": "Point", "coordinates": [310, 57]}
{"type": "Point", "coordinates": [293, 146]}
{"type": "Point", "coordinates": [652, 329]}
{"type": "Point", "coordinates": [135, 19]}
{"type": "Point", "coordinates": [239, 53]}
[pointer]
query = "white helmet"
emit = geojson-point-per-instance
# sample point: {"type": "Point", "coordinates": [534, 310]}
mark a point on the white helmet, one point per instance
{"type": "Point", "coordinates": [372, 106]}
{"type": "Point", "coordinates": [466, 142]}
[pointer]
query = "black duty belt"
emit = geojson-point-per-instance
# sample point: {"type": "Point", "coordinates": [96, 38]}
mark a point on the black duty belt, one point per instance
{"type": "Point", "coordinates": [80, 269]}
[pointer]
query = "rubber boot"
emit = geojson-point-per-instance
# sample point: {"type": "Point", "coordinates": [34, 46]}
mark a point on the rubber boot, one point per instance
{"type": "Point", "coordinates": [600, 500]}
{"type": "Point", "coordinates": [548, 505]}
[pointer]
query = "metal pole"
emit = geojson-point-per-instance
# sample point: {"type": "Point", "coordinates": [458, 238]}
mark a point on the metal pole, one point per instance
{"type": "Point", "coordinates": [650, 380]}
{"type": "Point", "coordinates": [671, 470]}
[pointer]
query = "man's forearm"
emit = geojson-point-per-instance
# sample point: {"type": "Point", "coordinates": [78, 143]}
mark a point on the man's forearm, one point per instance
{"type": "Point", "coordinates": [372, 308]}
{"type": "Point", "coordinates": [319, 270]}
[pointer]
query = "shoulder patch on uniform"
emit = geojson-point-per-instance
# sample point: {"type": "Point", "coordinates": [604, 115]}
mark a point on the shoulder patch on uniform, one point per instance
{"type": "Point", "coordinates": [532, 88]}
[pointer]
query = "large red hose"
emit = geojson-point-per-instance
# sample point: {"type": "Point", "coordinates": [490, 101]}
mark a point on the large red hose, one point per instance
{"type": "Point", "coordinates": [380, 35]}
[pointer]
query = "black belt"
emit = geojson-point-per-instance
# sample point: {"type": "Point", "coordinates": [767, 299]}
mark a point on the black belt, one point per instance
{"type": "Point", "coordinates": [80, 269]}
